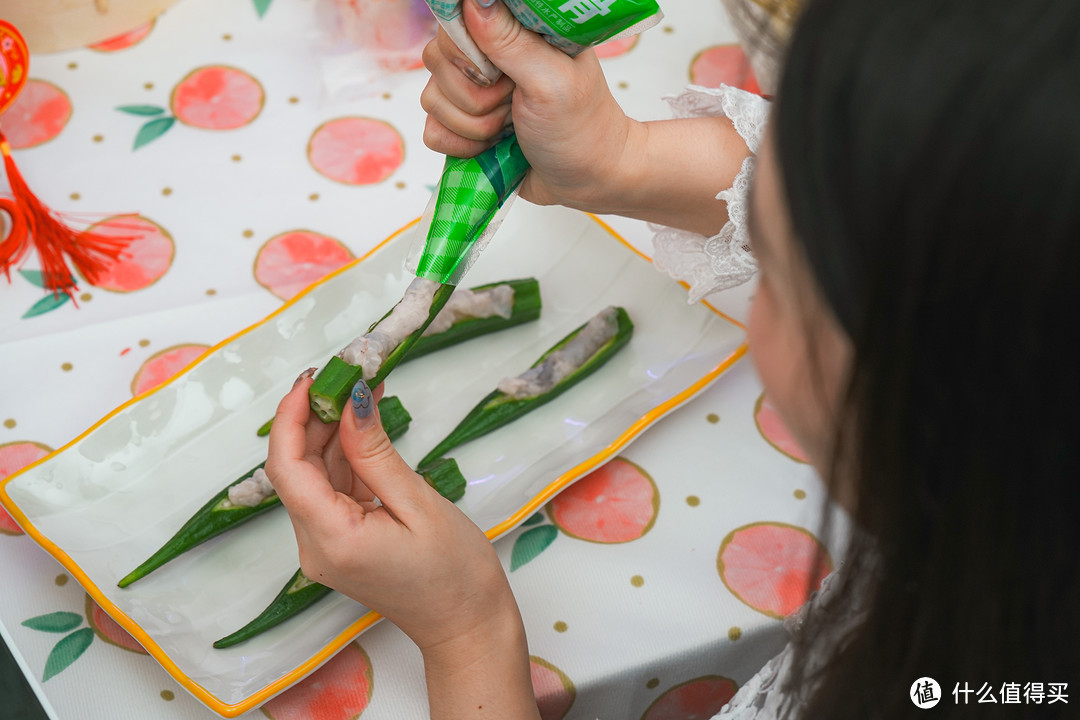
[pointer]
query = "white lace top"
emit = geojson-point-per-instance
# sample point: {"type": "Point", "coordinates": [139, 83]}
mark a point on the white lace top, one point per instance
{"type": "Point", "coordinates": [710, 264]}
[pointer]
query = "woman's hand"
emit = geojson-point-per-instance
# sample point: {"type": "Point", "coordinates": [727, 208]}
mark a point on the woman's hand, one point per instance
{"type": "Point", "coordinates": [584, 151]}
{"type": "Point", "coordinates": [570, 127]}
{"type": "Point", "coordinates": [410, 555]}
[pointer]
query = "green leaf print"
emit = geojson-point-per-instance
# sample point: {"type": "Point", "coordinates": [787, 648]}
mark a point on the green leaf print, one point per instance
{"type": "Point", "coordinates": [531, 543]}
{"type": "Point", "coordinates": [153, 130]}
{"type": "Point", "coordinates": [56, 622]}
{"type": "Point", "coordinates": [67, 651]}
{"type": "Point", "coordinates": [46, 304]}
{"type": "Point", "coordinates": [533, 520]}
{"type": "Point", "coordinates": [261, 6]}
{"type": "Point", "coordinates": [141, 109]}
{"type": "Point", "coordinates": [36, 277]}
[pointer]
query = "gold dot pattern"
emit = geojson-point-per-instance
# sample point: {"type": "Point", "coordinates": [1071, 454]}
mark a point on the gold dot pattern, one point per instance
{"type": "Point", "coordinates": [800, 494]}
{"type": "Point", "coordinates": [61, 580]}
{"type": "Point", "coordinates": [211, 291]}
{"type": "Point", "coordinates": [313, 197]}
{"type": "Point", "coordinates": [561, 627]}
{"type": "Point", "coordinates": [99, 138]}
{"type": "Point", "coordinates": [144, 343]}
{"type": "Point", "coordinates": [149, 86]}
{"type": "Point", "coordinates": [249, 233]}
{"type": "Point", "coordinates": [86, 297]}
{"type": "Point", "coordinates": [75, 196]}
{"type": "Point", "coordinates": [226, 37]}
{"type": "Point", "coordinates": [693, 500]}
{"type": "Point", "coordinates": [293, 100]}
{"type": "Point", "coordinates": [166, 191]}
{"type": "Point", "coordinates": [734, 633]}
{"type": "Point", "coordinates": [236, 158]}
{"type": "Point", "coordinates": [623, 85]}
{"type": "Point", "coordinates": [637, 581]}
{"type": "Point", "coordinates": [9, 423]}
{"type": "Point", "coordinates": [713, 418]}
{"type": "Point", "coordinates": [399, 185]}
{"type": "Point", "coordinates": [167, 695]}
{"type": "Point", "coordinates": [66, 367]}
{"type": "Point", "coordinates": [72, 65]}
{"type": "Point", "coordinates": [652, 683]}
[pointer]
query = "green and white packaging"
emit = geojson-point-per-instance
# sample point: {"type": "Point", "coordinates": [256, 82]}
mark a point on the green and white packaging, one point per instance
{"type": "Point", "coordinates": [474, 194]}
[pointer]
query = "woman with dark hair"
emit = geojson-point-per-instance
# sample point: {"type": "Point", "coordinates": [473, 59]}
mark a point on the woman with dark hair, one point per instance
{"type": "Point", "coordinates": [915, 214]}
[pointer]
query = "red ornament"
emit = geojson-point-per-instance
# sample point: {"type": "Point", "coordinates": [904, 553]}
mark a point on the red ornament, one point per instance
{"type": "Point", "coordinates": [33, 224]}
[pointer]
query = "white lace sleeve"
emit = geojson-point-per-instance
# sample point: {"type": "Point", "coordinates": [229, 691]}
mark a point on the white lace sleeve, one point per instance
{"type": "Point", "coordinates": [709, 264]}
{"type": "Point", "coordinates": [764, 696]}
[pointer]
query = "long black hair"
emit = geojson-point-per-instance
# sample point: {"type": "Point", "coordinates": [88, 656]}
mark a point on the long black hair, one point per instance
{"type": "Point", "coordinates": [930, 156]}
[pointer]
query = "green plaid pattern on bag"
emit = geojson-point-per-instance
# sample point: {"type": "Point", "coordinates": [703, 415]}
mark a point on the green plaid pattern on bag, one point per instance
{"type": "Point", "coordinates": [470, 191]}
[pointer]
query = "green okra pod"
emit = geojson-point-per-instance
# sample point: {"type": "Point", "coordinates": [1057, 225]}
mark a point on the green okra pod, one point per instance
{"type": "Point", "coordinates": [300, 592]}
{"type": "Point", "coordinates": [525, 308]}
{"type": "Point", "coordinates": [334, 383]}
{"type": "Point", "coordinates": [219, 515]}
{"type": "Point", "coordinates": [498, 408]}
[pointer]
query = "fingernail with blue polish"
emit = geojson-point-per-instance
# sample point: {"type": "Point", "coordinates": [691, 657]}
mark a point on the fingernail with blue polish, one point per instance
{"type": "Point", "coordinates": [485, 3]}
{"type": "Point", "coordinates": [306, 374]}
{"type": "Point", "coordinates": [363, 402]}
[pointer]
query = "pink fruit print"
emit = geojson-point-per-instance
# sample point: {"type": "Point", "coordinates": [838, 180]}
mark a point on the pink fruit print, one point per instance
{"type": "Point", "coordinates": [289, 262]}
{"type": "Point", "coordinates": [723, 64]}
{"type": "Point", "coordinates": [147, 257]}
{"type": "Point", "coordinates": [109, 630]}
{"type": "Point", "coordinates": [614, 48]}
{"type": "Point", "coordinates": [212, 97]}
{"type": "Point", "coordinates": [339, 690]}
{"type": "Point", "coordinates": [554, 691]}
{"type": "Point", "coordinates": [356, 150]}
{"type": "Point", "coordinates": [217, 97]}
{"type": "Point", "coordinates": [614, 504]}
{"type": "Point", "coordinates": [38, 114]}
{"type": "Point", "coordinates": [772, 566]}
{"type": "Point", "coordinates": [163, 365]}
{"type": "Point", "coordinates": [774, 431]}
{"type": "Point", "coordinates": [15, 456]}
{"type": "Point", "coordinates": [697, 699]}
{"type": "Point", "coordinates": [124, 40]}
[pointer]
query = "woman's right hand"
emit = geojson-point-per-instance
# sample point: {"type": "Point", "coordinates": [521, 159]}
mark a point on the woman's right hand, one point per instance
{"type": "Point", "coordinates": [569, 125]}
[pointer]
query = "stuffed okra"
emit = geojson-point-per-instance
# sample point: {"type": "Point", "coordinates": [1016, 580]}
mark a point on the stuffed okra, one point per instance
{"type": "Point", "coordinates": [300, 592]}
{"type": "Point", "coordinates": [248, 496]}
{"type": "Point", "coordinates": [565, 364]}
{"type": "Point", "coordinates": [474, 312]}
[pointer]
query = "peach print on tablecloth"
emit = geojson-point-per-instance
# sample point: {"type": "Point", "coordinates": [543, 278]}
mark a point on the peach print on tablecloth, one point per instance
{"type": "Point", "coordinates": [772, 567]}
{"type": "Point", "coordinates": [774, 431]}
{"type": "Point", "coordinates": [211, 97]}
{"type": "Point", "coordinates": [147, 256]}
{"type": "Point", "coordinates": [14, 456]}
{"type": "Point", "coordinates": [616, 503]}
{"type": "Point", "coordinates": [339, 690]}
{"type": "Point", "coordinates": [356, 150]}
{"type": "Point", "coordinates": [697, 699]}
{"type": "Point", "coordinates": [554, 691]}
{"type": "Point", "coordinates": [124, 40]}
{"type": "Point", "coordinates": [289, 262]}
{"type": "Point", "coordinates": [109, 630]}
{"type": "Point", "coordinates": [723, 65]}
{"type": "Point", "coordinates": [39, 113]}
{"type": "Point", "coordinates": [163, 365]}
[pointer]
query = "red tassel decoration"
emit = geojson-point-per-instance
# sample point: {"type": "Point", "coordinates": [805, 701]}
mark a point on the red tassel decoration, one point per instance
{"type": "Point", "coordinates": [32, 222]}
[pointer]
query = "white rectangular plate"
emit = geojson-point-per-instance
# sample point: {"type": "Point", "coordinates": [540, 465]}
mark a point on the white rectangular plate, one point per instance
{"type": "Point", "coordinates": [107, 500]}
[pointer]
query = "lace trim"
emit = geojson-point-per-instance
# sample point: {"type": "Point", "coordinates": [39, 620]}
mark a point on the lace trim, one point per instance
{"type": "Point", "coordinates": [711, 264]}
{"type": "Point", "coordinates": [763, 696]}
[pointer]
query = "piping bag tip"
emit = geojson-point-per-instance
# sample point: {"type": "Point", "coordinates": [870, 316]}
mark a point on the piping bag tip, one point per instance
{"type": "Point", "coordinates": [465, 210]}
